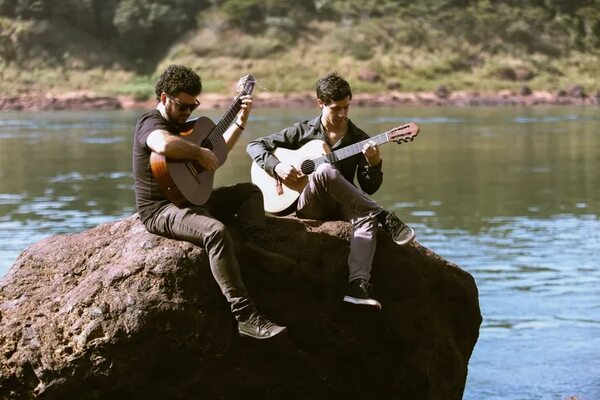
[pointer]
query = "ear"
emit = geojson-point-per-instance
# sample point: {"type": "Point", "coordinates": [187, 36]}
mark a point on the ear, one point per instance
{"type": "Point", "coordinates": [320, 103]}
{"type": "Point", "coordinates": [163, 98]}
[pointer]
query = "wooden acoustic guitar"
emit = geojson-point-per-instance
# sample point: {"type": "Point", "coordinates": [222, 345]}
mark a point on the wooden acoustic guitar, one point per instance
{"type": "Point", "coordinates": [280, 197]}
{"type": "Point", "coordinates": [184, 181]}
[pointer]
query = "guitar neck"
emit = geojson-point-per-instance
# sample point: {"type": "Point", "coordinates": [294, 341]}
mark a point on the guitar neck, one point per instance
{"type": "Point", "coordinates": [351, 150]}
{"type": "Point", "coordinates": [226, 120]}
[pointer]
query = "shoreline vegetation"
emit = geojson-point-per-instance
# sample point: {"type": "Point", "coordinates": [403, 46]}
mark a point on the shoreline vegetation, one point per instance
{"type": "Point", "coordinates": [87, 100]}
{"type": "Point", "coordinates": [393, 52]}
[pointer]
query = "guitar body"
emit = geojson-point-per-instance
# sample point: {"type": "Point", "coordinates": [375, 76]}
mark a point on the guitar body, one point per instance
{"type": "Point", "coordinates": [186, 181]}
{"type": "Point", "coordinates": [283, 203]}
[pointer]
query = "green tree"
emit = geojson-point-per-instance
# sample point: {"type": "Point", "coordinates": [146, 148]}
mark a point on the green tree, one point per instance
{"type": "Point", "coordinates": [146, 27]}
{"type": "Point", "coordinates": [255, 16]}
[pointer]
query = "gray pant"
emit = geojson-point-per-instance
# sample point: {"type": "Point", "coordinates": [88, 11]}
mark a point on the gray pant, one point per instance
{"type": "Point", "coordinates": [205, 226]}
{"type": "Point", "coordinates": [329, 195]}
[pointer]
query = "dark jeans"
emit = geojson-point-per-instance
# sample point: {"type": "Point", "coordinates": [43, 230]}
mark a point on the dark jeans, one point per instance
{"type": "Point", "coordinates": [329, 195]}
{"type": "Point", "coordinates": [205, 226]}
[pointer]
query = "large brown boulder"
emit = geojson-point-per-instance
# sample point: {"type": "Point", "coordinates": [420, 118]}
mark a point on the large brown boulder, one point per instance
{"type": "Point", "coordinates": [116, 312]}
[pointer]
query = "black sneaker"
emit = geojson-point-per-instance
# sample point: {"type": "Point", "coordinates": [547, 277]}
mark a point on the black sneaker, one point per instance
{"type": "Point", "coordinates": [258, 327]}
{"type": "Point", "coordinates": [359, 292]}
{"type": "Point", "coordinates": [401, 233]}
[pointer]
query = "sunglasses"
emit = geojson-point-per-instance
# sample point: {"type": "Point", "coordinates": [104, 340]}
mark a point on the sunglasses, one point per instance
{"type": "Point", "coordinates": [184, 106]}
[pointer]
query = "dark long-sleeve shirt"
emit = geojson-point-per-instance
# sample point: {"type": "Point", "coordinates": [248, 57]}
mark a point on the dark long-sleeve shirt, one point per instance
{"type": "Point", "coordinates": [294, 137]}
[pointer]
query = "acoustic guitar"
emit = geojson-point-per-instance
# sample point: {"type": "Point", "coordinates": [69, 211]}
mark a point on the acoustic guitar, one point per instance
{"type": "Point", "coordinates": [184, 181]}
{"type": "Point", "coordinates": [280, 197]}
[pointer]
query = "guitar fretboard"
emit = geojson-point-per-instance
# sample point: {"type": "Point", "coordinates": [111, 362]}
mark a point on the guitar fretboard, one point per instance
{"type": "Point", "coordinates": [227, 118]}
{"type": "Point", "coordinates": [351, 150]}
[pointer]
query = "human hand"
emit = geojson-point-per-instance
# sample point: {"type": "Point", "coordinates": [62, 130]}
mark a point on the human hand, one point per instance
{"type": "Point", "coordinates": [208, 160]}
{"type": "Point", "coordinates": [244, 113]}
{"type": "Point", "coordinates": [287, 172]}
{"type": "Point", "coordinates": [371, 152]}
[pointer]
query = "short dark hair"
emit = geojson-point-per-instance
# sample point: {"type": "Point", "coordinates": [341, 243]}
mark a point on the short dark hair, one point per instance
{"type": "Point", "coordinates": [333, 87]}
{"type": "Point", "coordinates": [176, 79]}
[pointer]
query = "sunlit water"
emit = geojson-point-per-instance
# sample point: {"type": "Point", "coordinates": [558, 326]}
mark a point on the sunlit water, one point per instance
{"type": "Point", "coordinates": [509, 194]}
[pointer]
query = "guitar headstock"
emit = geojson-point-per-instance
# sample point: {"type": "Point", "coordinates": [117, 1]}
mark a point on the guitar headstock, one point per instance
{"type": "Point", "coordinates": [245, 85]}
{"type": "Point", "coordinates": [404, 133]}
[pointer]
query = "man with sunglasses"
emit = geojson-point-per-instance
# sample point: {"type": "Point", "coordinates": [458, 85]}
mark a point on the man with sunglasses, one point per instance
{"type": "Point", "coordinates": [158, 131]}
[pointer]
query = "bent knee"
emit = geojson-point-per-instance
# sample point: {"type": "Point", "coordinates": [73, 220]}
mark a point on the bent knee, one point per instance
{"type": "Point", "coordinates": [326, 171]}
{"type": "Point", "coordinates": [215, 232]}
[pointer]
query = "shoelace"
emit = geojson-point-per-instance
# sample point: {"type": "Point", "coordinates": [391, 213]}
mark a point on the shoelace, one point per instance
{"type": "Point", "coordinates": [260, 322]}
{"type": "Point", "coordinates": [395, 224]}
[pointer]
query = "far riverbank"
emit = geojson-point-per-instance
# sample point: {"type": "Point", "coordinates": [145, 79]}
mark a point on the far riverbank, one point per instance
{"type": "Point", "coordinates": [86, 100]}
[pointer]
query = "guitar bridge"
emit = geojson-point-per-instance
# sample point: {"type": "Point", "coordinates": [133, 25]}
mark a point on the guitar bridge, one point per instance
{"type": "Point", "coordinates": [191, 166]}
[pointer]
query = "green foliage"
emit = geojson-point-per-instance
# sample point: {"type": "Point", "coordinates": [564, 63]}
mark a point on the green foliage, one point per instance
{"type": "Point", "coordinates": [419, 44]}
{"type": "Point", "coordinates": [255, 16]}
{"type": "Point", "coordinates": [24, 9]}
{"type": "Point", "coordinates": [141, 88]}
{"type": "Point", "coordinates": [147, 27]}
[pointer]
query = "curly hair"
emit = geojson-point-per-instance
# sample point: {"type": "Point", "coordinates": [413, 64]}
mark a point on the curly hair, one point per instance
{"type": "Point", "coordinates": [333, 87]}
{"type": "Point", "coordinates": [176, 79]}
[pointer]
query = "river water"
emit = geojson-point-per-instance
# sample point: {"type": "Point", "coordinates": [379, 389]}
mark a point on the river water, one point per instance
{"type": "Point", "coordinates": [509, 194]}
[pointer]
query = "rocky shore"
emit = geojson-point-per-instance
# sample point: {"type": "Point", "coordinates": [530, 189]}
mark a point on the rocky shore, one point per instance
{"type": "Point", "coordinates": [575, 95]}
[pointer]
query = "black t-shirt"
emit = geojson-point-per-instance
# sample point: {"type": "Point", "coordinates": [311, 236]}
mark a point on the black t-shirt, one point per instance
{"type": "Point", "coordinates": [148, 196]}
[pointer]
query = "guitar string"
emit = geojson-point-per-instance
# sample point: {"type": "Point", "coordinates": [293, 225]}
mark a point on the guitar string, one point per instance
{"type": "Point", "coordinates": [351, 150]}
{"type": "Point", "coordinates": [357, 147]}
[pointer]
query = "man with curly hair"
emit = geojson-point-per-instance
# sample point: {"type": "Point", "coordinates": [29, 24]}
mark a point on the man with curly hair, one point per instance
{"type": "Point", "coordinates": [330, 193]}
{"type": "Point", "coordinates": [158, 131]}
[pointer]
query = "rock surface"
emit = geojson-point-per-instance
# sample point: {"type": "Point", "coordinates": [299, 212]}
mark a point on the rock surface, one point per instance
{"type": "Point", "coordinates": [115, 312]}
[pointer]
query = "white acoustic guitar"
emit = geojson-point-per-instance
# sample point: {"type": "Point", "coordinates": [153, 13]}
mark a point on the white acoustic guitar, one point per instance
{"type": "Point", "coordinates": [280, 197]}
{"type": "Point", "coordinates": [186, 181]}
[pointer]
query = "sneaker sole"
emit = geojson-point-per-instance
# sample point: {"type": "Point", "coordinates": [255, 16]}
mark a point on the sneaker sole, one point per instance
{"type": "Point", "coordinates": [273, 334]}
{"type": "Point", "coordinates": [407, 240]}
{"type": "Point", "coordinates": [363, 302]}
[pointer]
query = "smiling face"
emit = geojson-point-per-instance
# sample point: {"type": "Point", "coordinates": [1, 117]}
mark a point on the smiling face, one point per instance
{"type": "Point", "coordinates": [335, 114]}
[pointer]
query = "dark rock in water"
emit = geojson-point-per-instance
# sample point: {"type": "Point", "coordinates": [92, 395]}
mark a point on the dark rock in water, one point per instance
{"type": "Point", "coordinates": [115, 312]}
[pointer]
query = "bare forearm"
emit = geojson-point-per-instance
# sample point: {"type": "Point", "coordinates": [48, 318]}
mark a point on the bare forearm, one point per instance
{"type": "Point", "coordinates": [231, 136]}
{"type": "Point", "coordinates": [181, 149]}
{"type": "Point", "coordinates": [172, 146]}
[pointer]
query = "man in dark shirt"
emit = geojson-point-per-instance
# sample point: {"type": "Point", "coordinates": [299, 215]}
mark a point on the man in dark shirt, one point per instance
{"type": "Point", "coordinates": [330, 192]}
{"type": "Point", "coordinates": [158, 131]}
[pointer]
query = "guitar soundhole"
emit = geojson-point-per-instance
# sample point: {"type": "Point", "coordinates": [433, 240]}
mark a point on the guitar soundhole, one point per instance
{"type": "Point", "coordinates": [307, 167]}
